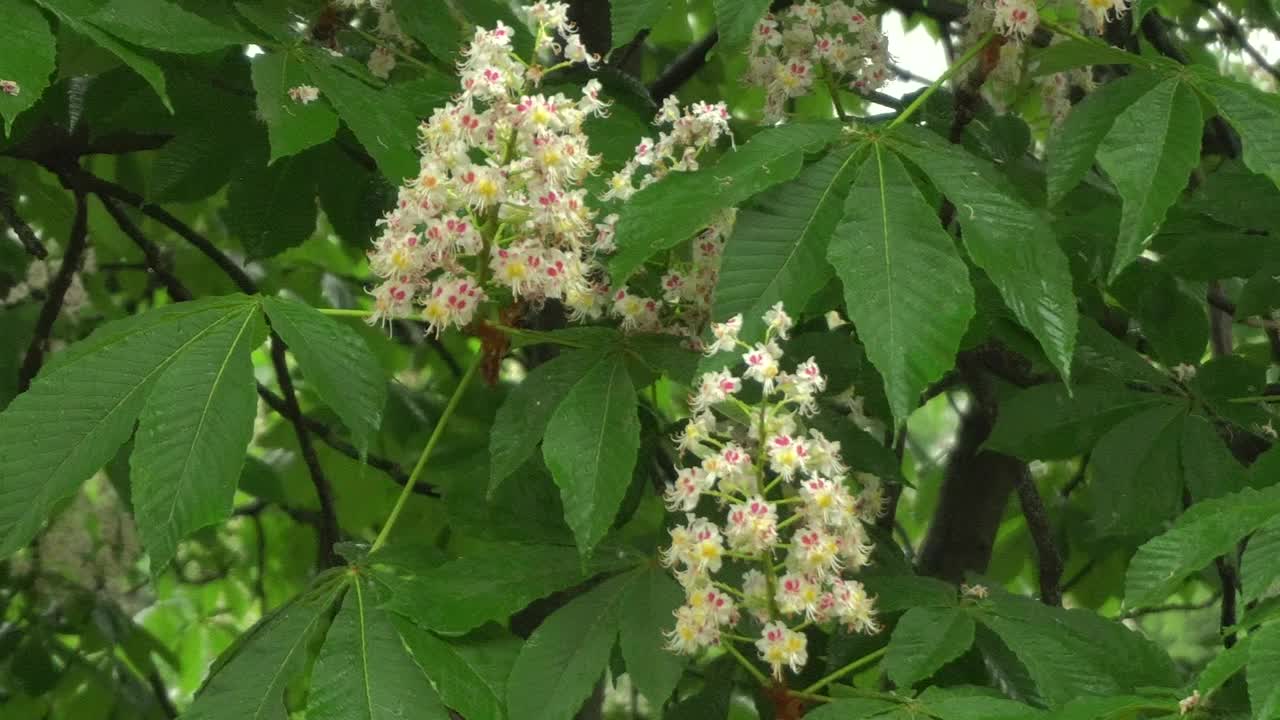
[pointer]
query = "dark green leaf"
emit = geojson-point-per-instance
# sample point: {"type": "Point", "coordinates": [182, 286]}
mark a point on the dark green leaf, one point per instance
{"type": "Point", "coordinates": [1260, 565]}
{"type": "Point", "coordinates": [1263, 673]}
{"type": "Point", "coordinates": [647, 611]}
{"type": "Point", "coordinates": [74, 12]}
{"type": "Point", "coordinates": [1225, 664]}
{"type": "Point", "coordinates": [1046, 422]}
{"type": "Point", "coordinates": [778, 249]}
{"type": "Point", "coordinates": [1254, 114]}
{"type": "Point", "coordinates": [1149, 153]}
{"type": "Point", "coordinates": [163, 26]}
{"type": "Point", "coordinates": [736, 22]}
{"type": "Point", "coordinates": [629, 17]}
{"type": "Point", "coordinates": [291, 126]}
{"type": "Point", "coordinates": [192, 436]}
{"type": "Point", "coordinates": [1070, 54]}
{"type": "Point", "coordinates": [273, 208]}
{"type": "Point", "coordinates": [906, 288]}
{"type": "Point", "coordinates": [1171, 318]}
{"type": "Point", "coordinates": [432, 23]}
{"type": "Point", "coordinates": [1209, 468]}
{"type": "Point", "coordinates": [26, 58]}
{"type": "Point", "coordinates": [670, 211]}
{"type": "Point", "coordinates": [924, 640]}
{"type": "Point", "coordinates": [335, 361]}
{"type": "Point", "coordinates": [1137, 477]}
{"type": "Point", "coordinates": [470, 672]}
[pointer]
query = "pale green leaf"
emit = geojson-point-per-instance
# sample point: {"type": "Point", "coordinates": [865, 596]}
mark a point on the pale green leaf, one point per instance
{"type": "Point", "coordinates": [1011, 242]}
{"type": "Point", "coordinates": [629, 17]}
{"type": "Point", "coordinates": [1149, 153]}
{"type": "Point", "coordinates": [248, 682]}
{"type": "Point", "coordinates": [335, 362]}
{"type": "Point", "coordinates": [924, 640]}
{"type": "Point", "coordinates": [83, 405]}
{"type": "Point", "coordinates": [1205, 531]}
{"type": "Point", "coordinates": [906, 288]}
{"type": "Point", "coordinates": [364, 671]}
{"type": "Point", "coordinates": [164, 26]}
{"type": "Point", "coordinates": [590, 448]}
{"type": "Point", "coordinates": [1255, 115]}
{"type": "Point", "coordinates": [561, 662]}
{"type": "Point", "coordinates": [192, 437]}
{"type": "Point", "coordinates": [291, 126]}
{"type": "Point", "coordinates": [1072, 148]}
{"type": "Point", "coordinates": [1045, 422]}
{"type": "Point", "coordinates": [778, 249]}
{"type": "Point", "coordinates": [648, 611]}
{"type": "Point", "coordinates": [672, 210]}
{"type": "Point", "coordinates": [26, 57]}
{"type": "Point", "coordinates": [1137, 478]}
{"type": "Point", "coordinates": [522, 419]}
{"type": "Point", "coordinates": [489, 583]}
{"type": "Point", "coordinates": [736, 22]}
{"type": "Point", "coordinates": [469, 672]}
{"type": "Point", "coordinates": [271, 208]}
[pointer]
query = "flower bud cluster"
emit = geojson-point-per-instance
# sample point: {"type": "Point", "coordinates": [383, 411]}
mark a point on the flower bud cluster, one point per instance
{"type": "Point", "coordinates": [792, 50]}
{"type": "Point", "coordinates": [789, 511]}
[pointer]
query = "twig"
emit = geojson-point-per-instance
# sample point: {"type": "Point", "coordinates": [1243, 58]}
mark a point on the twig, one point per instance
{"type": "Point", "coordinates": [1231, 29]}
{"type": "Point", "coordinates": [20, 227]}
{"type": "Point", "coordinates": [1220, 301]}
{"type": "Point", "coordinates": [1221, 343]}
{"type": "Point", "coordinates": [57, 292]}
{"type": "Point", "coordinates": [155, 262]}
{"type": "Point", "coordinates": [1042, 535]}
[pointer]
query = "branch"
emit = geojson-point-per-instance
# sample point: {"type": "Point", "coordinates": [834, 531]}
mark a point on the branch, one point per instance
{"type": "Point", "coordinates": [1231, 29]}
{"type": "Point", "coordinates": [683, 67]}
{"type": "Point", "coordinates": [57, 292]}
{"type": "Point", "coordinates": [1221, 343]}
{"type": "Point", "coordinates": [154, 260]}
{"type": "Point", "coordinates": [24, 232]}
{"type": "Point", "coordinates": [1047, 552]}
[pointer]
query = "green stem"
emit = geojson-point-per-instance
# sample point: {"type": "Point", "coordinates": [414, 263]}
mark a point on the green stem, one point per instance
{"type": "Point", "coordinates": [436, 434]}
{"type": "Point", "coordinates": [963, 60]}
{"type": "Point", "coordinates": [847, 669]}
{"type": "Point", "coordinates": [834, 89]}
{"type": "Point", "coordinates": [340, 312]}
{"type": "Point", "coordinates": [755, 672]}
{"type": "Point", "coordinates": [1255, 399]}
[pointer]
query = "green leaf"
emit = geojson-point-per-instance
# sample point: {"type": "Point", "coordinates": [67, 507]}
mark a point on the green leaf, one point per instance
{"type": "Point", "coordinates": [1012, 243]}
{"type": "Point", "coordinates": [73, 13]}
{"type": "Point", "coordinates": [248, 682]}
{"type": "Point", "coordinates": [1225, 664]}
{"type": "Point", "coordinates": [1254, 114]}
{"type": "Point", "coordinates": [670, 211]}
{"type": "Point", "coordinates": [1137, 477]}
{"type": "Point", "coordinates": [83, 405]}
{"type": "Point", "coordinates": [1205, 531]}
{"type": "Point", "coordinates": [490, 583]}
{"type": "Point", "coordinates": [27, 58]}
{"type": "Point", "coordinates": [381, 120]}
{"type": "Point", "coordinates": [1263, 673]}
{"type": "Point", "coordinates": [1262, 291]}
{"type": "Point", "coordinates": [629, 17]}
{"type": "Point", "coordinates": [1260, 565]}
{"type": "Point", "coordinates": [1171, 318]}
{"type": "Point", "coordinates": [924, 640]}
{"type": "Point", "coordinates": [566, 655]}
{"type": "Point", "coordinates": [432, 23]}
{"type": "Point", "coordinates": [522, 419]}
{"type": "Point", "coordinates": [648, 610]}
{"type": "Point", "coordinates": [778, 249]}
{"type": "Point", "coordinates": [736, 22]}
{"type": "Point", "coordinates": [1070, 54]}
{"type": "Point", "coordinates": [364, 671]}
{"type": "Point", "coordinates": [1208, 467]}
{"type": "Point", "coordinates": [469, 672]}
{"type": "Point", "coordinates": [192, 436]}
{"type": "Point", "coordinates": [895, 593]}
{"type": "Point", "coordinates": [273, 208]}
{"type": "Point", "coordinates": [336, 363]}
{"type": "Point", "coordinates": [1149, 153]}
{"type": "Point", "coordinates": [164, 26]}
{"type": "Point", "coordinates": [291, 126]}
{"type": "Point", "coordinates": [853, 709]}
{"type": "Point", "coordinates": [590, 448]}
{"type": "Point", "coordinates": [979, 708]}
{"type": "Point", "coordinates": [1071, 150]}
{"type": "Point", "coordinates": [1046, 422]}
{"type": "Point", "coordinates": [906, 288]}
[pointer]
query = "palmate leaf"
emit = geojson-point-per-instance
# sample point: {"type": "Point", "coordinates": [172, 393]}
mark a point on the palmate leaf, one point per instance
{"type": "Point", "coordinates": [567, 654]}
{"type": "Point", "coordinates": [27, 56]}
{"type": "Point", "coordinates": [670, 211]}
{"type": "Point", "coordinates": [1205, 531]}
{"type": "Point", "coordinates": [248, 682]}
{"type": "Point", "coordinates": [364, 671]}
{"type": "Point", "coordinates": [291, 126]}
{"type": "Point", "coordinates": [1254, 114]}
{"type": "Point", "coordinates": [590, 447]}
{"type": "Point", "coordinates": [192, 436]}
{"type": "Point", "coordinates": [924, 640]}
{"type": "Point", "coordinates": [335, 361]}
{"type": "Point", "coordinates": [469, 672]}
{"type": "Point", "coordinates": [1149, 153]}
{"type": "Point", "coordinates": [779, 245]}
{"type": "Point", "coordinates": [1011, 242]}
{"type": "Point", "coordinates": [83, 406]}
{"type": "Point", "coordinates": [906, 288]}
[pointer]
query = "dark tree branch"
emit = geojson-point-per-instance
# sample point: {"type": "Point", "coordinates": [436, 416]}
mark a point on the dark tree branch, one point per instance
{"type": "Point", "coordinates": [1042, 535]}
{"type": "Point", "coordinates": [1232, 30]}
{"type": "Point", "coordinates": [1156, 31]}
{"type": "Point", "coordinates": [25, 234]}
{"type": "Point", "coordinates": [155, 261]}
{"type": "Point", "coordinates": [1221, 342]}
{"type": "Point", "coordinates": [56, 294]}
{"type": "Point", "coordinates": [683, 67]}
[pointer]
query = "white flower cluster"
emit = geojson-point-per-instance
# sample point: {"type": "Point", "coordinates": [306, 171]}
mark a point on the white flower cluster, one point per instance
{"type": "Point", "coordinates": [758, 465]}
{"type": "Point", "coordinates": [811, 41]}
{"type": "Point", "coordinates": [499, 190]}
